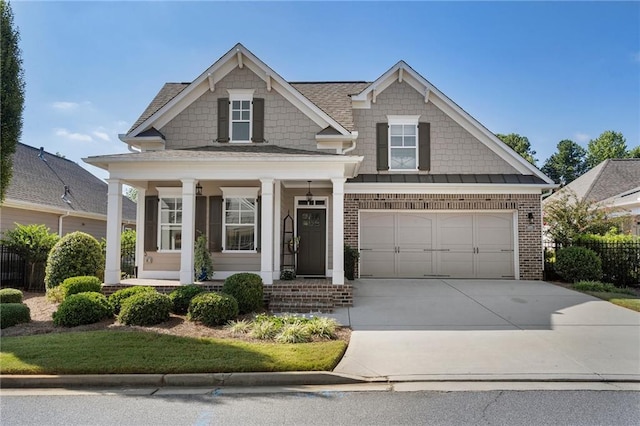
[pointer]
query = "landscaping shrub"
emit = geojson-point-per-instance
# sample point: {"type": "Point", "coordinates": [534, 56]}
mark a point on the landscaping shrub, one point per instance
{"type": "Point", "coordinates": [213, 308]}
{"type": "Point", "coordinates": [75, 254]}
{"type": "Point", "coordinates": [247, 289]}
{"type": "Point", "coordinates": [13, 313]}
{"type": "Point", "coordinates": [10, 295]}
{"type": "Point", "coordinates": [293, 333]}
{"type": "Point", "coordinates": [146, 308]}
{"type": "Point", "coordinates": [116, 299]}
{"type": "Point", "coordinates": [351, 256]}
{"type": "Point", "coordinates": [181, 297]}
{"type": "Point", "coordinates": [75, 285]}
{"type": "Point", "coordinates": [578, 264]}
{"type": "Point", "coordinates": [82, 308]}
{"type": "Point", "coordinates": [599, 287]}
{"type": "Point", "coordinates": [322, 327]}
{"type": "Point", "coordinates": [286, 328]}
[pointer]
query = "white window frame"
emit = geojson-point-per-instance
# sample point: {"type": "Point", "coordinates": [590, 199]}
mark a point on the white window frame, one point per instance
{"type": "Point", "coordinates": [240, 95]}
{"type": "Point", "coordinates": [239, 192]}
{"type": "Point", "coordinates": [172, 193]}
{"type": "Point", "coordinates": [403, 120]}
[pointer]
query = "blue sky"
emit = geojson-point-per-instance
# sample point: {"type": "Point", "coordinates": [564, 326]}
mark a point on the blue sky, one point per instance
{"type": "Point", "coordinates": [546, 70]}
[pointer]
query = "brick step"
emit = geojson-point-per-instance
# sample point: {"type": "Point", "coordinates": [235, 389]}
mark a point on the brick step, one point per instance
{"type": "Point", "coordinates": [301, 306]}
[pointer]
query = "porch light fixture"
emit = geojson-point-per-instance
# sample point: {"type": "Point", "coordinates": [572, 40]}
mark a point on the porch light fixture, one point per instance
{"type": "Point", "coordinates": [530, 217]}
{"type": "Point", "coordinates": [309, 194]}
{"type": "Point", "coordinates": [198, 189]}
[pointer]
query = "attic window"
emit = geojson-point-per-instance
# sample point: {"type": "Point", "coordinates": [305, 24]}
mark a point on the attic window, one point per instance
{"type": "Point", "coordinates": [240, 111]}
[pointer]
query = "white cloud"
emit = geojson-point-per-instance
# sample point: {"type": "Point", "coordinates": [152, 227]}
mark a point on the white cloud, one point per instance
{"type": "Point", "coordinates": [81, 137]}
{"type": "Point", "coordinates": [65, 106]}
{"type": "Point", "coordinates": [101, 135]}
{"type": "Point", "coordinates": [582, 137]}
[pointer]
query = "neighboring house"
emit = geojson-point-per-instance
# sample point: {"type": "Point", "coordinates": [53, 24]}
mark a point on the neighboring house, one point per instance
{"type": "Point", "coordinates": [392, 167]}
{"type": "Point", "coordinates": [613, 184]}
{"type": "Point", "coordinates": [58, 193]}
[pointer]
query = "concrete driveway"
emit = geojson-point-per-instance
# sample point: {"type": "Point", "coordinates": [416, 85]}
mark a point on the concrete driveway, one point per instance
{"type": "Point", "coordinates": [445, 329]}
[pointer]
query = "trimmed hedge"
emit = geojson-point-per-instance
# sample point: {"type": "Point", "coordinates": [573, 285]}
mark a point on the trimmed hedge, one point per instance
{"type": "Point", "coordinates": [181, 297]}
{"type": "Point", "coordinates": [578, 264]}
{"type": "Point", "coordinates": [146, 308]}
{"type": "Point", "coordinates": [75, 254]}
{"type": "Point", "coordinates": [247, 289]}
{"type": "Point", "coordinates": [213, 308]}
{"type": "Point", "coordinates": [599, 287]}
{"type": "Point", "coordinates": [10, 295]}
{"type": "Point", "coordinates": [116, 299]}
{"type": "Point", "coordinates": [82, 308]}
{"type": "Point", "coordinates": [14, 313]}
{"type": "Point", "coordinates": [83, 284]}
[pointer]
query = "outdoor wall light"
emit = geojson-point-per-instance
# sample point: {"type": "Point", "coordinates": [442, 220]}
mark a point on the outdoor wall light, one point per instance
{"type": "Point", "coordinates": [530, 217]}
{"type": "Point", "coordinates": [309, 194]}
{"type": "Point", "coordinates": [198, 189]}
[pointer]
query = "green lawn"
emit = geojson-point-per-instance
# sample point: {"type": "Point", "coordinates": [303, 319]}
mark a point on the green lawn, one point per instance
{"type": "Point", "coordinates": [112, 352]}
{"type": "Point", "coordinates": [620, 299]}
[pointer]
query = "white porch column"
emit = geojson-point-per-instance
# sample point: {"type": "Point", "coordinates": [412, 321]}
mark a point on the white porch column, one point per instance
{"type": "Point", "coordinates": [266, 235]}
{"type": "Point", "coordinates": [188, 230]}
{"type": "Point", "coordinates": [338, 230]}
{"type": "Point", "coordinates": [140, 217]}
{"type": "Point", "coordinates": [114, 224]}
{"type": "Point", "coordinates": [277, 229]}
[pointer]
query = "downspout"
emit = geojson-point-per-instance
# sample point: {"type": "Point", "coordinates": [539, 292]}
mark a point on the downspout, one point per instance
{"type": "Point", "coordinates": [60, 222]}
{"type": "Point", "coordinates": [354, 136]}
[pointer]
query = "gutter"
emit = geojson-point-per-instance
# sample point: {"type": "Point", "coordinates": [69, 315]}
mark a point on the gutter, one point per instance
{"type": "Point", "coordinates": [354, 136]}
{"type": "Point", "coordinates": [60, 222]}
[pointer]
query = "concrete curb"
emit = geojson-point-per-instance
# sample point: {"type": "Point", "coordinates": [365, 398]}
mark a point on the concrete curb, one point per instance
{"type": "Point", "coordinates": [293, 378]}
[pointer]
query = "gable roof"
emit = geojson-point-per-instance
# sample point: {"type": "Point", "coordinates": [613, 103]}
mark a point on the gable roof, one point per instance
{"type": "Point", "coordinates": [238, 56]}
{"type": "Point", "coordinates": [605, 180]}
{"type": "Point", "coordinates": [41, 179]}
{"type": "Point", "coordinates": [168, 92]}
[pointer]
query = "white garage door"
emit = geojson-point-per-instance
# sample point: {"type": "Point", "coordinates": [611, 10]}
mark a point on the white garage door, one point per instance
{"type": "Point", "coordinates": [422, 245]}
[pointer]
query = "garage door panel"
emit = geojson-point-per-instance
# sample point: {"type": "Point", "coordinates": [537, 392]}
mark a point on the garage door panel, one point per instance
{"type": "Point", "coordinates": [380, 264]}
{"type": "Point", "coordinates": [495, 265]}
{"type": "Point", "coordinates": [456, 265]}
{"type": "Point", "coordinates": [414, 231]}
{"type": "Point", "coordinates": [493, 230]}
{"type": "Point", "coordinates": [456, 232]}
{"type": "Point", "coordinates": [415, 264]}
{"type": "Point", "coordinates": [380, 231]}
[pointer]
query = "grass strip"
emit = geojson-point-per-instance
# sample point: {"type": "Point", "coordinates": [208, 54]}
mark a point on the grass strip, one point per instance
{"type": "Point", "coordinates": [135, 352]}
{"type": "Point", "coordinates": [619, 299]}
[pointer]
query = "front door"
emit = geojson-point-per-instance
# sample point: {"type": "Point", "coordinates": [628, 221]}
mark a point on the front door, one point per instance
{"type": "Point", "coordinates": [312, 230]}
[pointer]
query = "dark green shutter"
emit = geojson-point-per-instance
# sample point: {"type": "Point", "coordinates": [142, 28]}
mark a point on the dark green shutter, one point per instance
{"type": "Point", "coordinates": [151, 223]}
{"type": "Point", "coordinates": [258, 120]}
{"type": "Point", "coordinates": [424, 146]}
{"type": "Point", "coordinates": [223, 120]}
{"type": "Point", "coordinates": [382, 146]}
{"type": "Point", "coordinates": [259, 220]}
{"type": "Point", "coordinates": [215, 223]}
{"type": "Point", "coordinates": [201, 216]}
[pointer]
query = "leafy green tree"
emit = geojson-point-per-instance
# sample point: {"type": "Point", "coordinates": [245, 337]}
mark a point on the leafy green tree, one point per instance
{"type": "Point", "coordinates": [609, 144]}
{"type": "Point", "coordinates": [567, 164]}
{"type": "Point", "coordinates": [131, 193]}
{"type": "Point", "coordinates": [519, 144]}
{"type": "Point", "coordinates": [634, 152]}
{"type": "Point", "coordinates": [32, 243]}
{"type": "Point", "coordinates": [202, 263]}
{"type": "Point", "coordinates": [566, 217]}
{"type": "Point", "coordinates": [11, 94]}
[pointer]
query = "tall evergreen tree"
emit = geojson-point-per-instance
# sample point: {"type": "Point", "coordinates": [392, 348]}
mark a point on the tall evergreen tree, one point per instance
{"type": "Point", "coordinates": [11, 94]}
{"type": "Point", "coordinates": [519, 144]}
{"type": "Point", "coordinates": [567, 164]}
{"type": "Point", "coordinates": [609, 144]}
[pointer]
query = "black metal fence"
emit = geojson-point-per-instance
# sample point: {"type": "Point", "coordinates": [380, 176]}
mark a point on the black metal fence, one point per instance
{"type": "Point", "coordinates": [13, 269]}
{"type": "Point", "coordinates": [620, 261]}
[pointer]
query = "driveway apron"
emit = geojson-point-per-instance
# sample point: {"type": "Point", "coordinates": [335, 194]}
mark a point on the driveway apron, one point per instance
{"type": "Point", "coordinates": [445, 329]}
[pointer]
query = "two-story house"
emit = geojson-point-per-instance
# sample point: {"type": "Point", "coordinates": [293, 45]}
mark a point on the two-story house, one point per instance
{"type": "Point", "coordinates": [279, 174]}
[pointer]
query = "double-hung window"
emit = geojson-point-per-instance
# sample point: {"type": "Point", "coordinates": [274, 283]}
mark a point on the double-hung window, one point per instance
{"type": "Point", "coordinates": [240, 111]}
{"type": "Point", "coordinates": [240, 219]}
{"type": "Point", "coordinates": [403, 142]}
{"type": "Point", "coordinates": [170, 223]}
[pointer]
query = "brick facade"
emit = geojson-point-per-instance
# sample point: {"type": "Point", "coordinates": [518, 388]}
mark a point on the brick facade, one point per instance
{"type": "Point", "coordinates": [529, 235]}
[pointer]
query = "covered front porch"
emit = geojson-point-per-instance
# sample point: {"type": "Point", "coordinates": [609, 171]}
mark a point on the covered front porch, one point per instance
{"type": "Point", "coordinates": [264, 211]}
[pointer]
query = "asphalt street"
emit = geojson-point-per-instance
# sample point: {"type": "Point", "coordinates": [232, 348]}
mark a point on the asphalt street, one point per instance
{"type": "Point", "coordinates": [331, 407]}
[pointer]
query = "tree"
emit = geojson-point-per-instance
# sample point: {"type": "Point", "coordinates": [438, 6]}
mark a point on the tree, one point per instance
{"type": "Point", "coordinates": [519, 144]}
{"type": "Point", "coordinates": [609, 144]}
{"type": "Point", "coordinates": [567, 164]}
{"type": "Point", "coordinates": [566, 217]}
{"type": "Point", "coordinates": [634, 152]}
{"type": "Point", "coordinates": [32, 243]}
{"type": "Point", "coordinates": [11, 94]}
{"type": "Point", "coordinates": [131, 193]}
